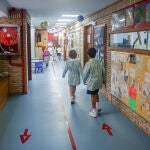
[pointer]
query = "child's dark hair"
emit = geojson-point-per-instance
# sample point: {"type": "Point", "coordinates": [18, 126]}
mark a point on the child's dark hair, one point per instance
{"type": "Point", "coordinates": [72, 54]}
{"type": "Point", "coordinates": [91, 52]}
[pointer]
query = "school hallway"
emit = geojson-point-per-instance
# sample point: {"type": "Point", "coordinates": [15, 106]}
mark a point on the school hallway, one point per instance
{"type": "Point", "coordinates": [46, 114]}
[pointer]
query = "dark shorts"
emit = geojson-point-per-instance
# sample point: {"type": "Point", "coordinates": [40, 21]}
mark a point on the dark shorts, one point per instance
{"type": "Point", "coordinates": [92, 92]}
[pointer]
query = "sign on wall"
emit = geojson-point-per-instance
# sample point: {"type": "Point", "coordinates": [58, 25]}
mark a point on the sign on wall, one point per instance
{"type": "Point", "coordinates": [9, 39]}
{"type": "Point", "coordinates": [41, 38]}
{"type": "Point", "coordinates": [130, 81]}
{"type": "Point", "coordinates": [99, 40]}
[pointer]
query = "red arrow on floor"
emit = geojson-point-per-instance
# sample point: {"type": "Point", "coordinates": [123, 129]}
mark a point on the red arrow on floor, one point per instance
{"type": "Point", "coordinates": [25, 136]}
{"type": "Point", "coordinates": [107, 128]}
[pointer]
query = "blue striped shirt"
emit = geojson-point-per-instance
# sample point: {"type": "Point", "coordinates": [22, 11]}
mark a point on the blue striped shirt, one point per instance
{"type": "Point", "coordinates": [74, 71]}
{"type": "Point", "coordinates": [94, 74]}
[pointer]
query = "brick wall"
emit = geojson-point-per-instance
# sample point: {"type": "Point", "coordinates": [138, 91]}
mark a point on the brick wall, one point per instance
{"type": "Point", "coordinates": [104, 17]}
{"type": "Point", "coordinates": [17, 66]}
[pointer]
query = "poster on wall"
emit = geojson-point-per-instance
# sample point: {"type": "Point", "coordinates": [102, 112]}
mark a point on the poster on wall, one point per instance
{"type": "Point", "coordinates": [129, 16]}
{"type": "Point", "coordinates": [130, 81]}
{"type": "Point", "coordinates": [9, 39]}
{"type": "Point", "coordinates": [139, 13]}
{"type": "Point", "coordinates": [118, 20]}
{"type": "Point", "coordinates": [99, 32]}
{"type": "Point", "coordinates": [41, 38]}
{"type": "Point", "coordinates": [148, 12]}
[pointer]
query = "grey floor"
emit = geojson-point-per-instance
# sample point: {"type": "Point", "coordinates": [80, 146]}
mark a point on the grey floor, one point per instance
{"type": "Point", "coordinates": [55, 124]}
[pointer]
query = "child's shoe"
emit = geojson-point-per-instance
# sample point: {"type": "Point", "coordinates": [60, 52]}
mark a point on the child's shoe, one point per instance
{"type": "Point", "coordinates": [93, 113]}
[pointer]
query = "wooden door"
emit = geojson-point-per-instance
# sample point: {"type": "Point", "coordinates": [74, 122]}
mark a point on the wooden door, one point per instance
{"type": "Point", "coordinates": [88, 40]}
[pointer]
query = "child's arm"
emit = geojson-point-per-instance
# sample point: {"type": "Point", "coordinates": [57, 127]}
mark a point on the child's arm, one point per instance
{"type": "Point", "coordinates": [85, 73]}
{"type": "Point", "coordinates": [65, 70]}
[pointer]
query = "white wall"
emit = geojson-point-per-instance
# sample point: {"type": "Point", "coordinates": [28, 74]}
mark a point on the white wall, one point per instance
{"type": "Point", "coordinates": [32, 42]}
{"type": "Point", "coordinates": [3, 8]}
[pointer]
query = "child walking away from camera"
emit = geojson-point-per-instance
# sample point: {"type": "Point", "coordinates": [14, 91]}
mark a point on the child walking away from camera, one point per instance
{"type": "Point", "coordinates": [73, 66]}
{"type": "Point", "coordinates": [93, 77]}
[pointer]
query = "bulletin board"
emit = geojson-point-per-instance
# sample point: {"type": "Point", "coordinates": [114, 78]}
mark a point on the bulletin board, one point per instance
{"type": "Point", "coordinates": [130, 81]}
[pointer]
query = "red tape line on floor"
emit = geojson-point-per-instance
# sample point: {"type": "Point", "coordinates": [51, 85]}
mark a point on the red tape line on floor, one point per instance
{"type": "Point", "coordinates": [69, 130]}
{"type": "Point", "coordinates": [67, 123]}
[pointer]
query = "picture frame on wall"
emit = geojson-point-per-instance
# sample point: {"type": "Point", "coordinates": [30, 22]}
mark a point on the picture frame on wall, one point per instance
{"type": "Point", "coordinates": [139, 14]}
{"type": "Point", "coordinates": [129, 16]}
{"type": "Point", "coordinates": [99, 38]}
{"type": "Point", "coordinates": [148, 12]}
{"type": "Point", "coordinates": [118, 20]}
{"type": "Point", "coordinates": [9, 39]}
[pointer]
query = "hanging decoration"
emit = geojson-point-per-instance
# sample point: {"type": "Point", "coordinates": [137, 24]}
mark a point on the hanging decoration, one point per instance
{"type": "Point", "coordinates": [80, 18]}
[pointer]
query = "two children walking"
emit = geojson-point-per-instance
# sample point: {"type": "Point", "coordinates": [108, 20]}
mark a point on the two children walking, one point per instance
{"type": "Point", "coordinates": [93, 75]}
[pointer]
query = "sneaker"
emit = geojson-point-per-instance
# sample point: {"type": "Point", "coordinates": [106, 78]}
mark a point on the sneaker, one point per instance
{"type": "Point", "coordinates": [93, 113]}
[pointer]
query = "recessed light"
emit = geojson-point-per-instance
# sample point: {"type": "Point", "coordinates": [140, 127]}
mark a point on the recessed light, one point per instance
{"type": "Point", "coordinates": [61, 23]}
{"type": "Point", "coordinates": [69, 15]}
{"type": "Point", "coordinates": [64, 20]}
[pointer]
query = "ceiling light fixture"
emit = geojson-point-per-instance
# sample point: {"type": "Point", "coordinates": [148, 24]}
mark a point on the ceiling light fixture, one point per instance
{"type": "Point", "coordinates": [69, 15]}
{"type": "Point", "coordinates": [62, 23]}
{"type": "Point", "coordinates": [64, 20]}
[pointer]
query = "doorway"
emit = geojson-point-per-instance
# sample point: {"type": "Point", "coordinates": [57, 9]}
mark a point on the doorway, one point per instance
{"type": "Point", "coordinates": [88, 40]}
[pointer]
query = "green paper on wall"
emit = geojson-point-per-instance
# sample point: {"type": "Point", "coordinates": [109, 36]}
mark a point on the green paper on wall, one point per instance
{"type": "Point", "coordinates": [132, 103]}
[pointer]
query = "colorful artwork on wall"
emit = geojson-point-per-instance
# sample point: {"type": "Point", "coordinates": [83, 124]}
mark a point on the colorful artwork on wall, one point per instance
{"type": "Point", "coordinates": [99, 33]}
{"type": "Point", "coordinates": [139, 14]}
{"type": "Point", "coordinates": [148, 12]}
{"type": "Point", "coordinates": [118, 20]}
{"type": "Point", "coordinates": [130, 81]}
{"type": "Point", "coordinates": [41, 38]}
{"type": "Point", "coordinates": [9, 39]}
{"type": "Point", "coordinates": [134, 40]}
{"type": "Point", "coordinates": [129, 16]}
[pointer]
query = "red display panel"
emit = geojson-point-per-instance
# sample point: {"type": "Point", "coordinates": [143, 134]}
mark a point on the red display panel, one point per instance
{"type": "Point", "coordinates": [9, 39]}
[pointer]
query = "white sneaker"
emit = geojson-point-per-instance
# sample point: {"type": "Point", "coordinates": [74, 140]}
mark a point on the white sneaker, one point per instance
{"type": "Point", "coordinates": [93, 113]}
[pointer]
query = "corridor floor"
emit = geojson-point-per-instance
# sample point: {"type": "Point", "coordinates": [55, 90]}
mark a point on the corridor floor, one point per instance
{"type": "Point", "coordinates": [47, 121]}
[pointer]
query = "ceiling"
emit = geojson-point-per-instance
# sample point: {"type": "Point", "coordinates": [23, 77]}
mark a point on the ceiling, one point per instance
{"type": "Point", "coordinates": [51, 10]}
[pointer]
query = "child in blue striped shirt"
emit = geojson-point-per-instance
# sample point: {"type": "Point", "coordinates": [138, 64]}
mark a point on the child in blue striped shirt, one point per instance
{"type": "Point", "coordinates": [73, 66]}
{"type": "Point", "coordinates": [93, 77]}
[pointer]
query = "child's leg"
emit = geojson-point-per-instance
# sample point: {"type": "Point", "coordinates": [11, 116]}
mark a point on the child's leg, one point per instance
{"type": "Point", "coordinates": [93, 113]}
{"type": "Point", "coordinates": [97, 102]}
{"type": "Point", "coordinates": [93, 101]}
{"type": "Point", "coordinates": [72, 91]}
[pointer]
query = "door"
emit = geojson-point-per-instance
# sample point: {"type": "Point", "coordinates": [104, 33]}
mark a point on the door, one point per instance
{"type": "Point", "coordinates": [88, 40]}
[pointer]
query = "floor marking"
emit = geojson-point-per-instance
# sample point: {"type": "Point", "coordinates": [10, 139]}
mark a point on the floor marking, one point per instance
{"type": "Point", "coordinates": [24, 137]}
{"type": "Point", "coordinates": [67, 122]}
{"type": "Point", "coordinates": [69, 130]}
{"type": "Point", "coordinates": [107, 128]}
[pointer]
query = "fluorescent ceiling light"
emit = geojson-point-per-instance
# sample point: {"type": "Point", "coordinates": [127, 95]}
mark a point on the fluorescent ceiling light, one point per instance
{"type": "Point", "coordinates": [61, 23]}
{"type": "Point", "coordinates": [64, 20]}
{"type": "Point", "coordinates": [69, 15]}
